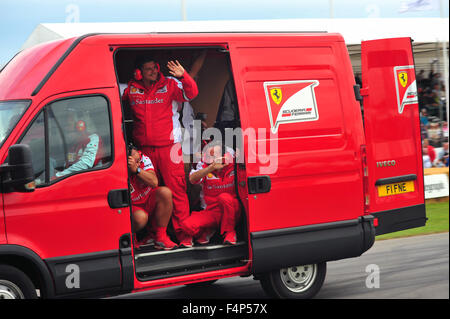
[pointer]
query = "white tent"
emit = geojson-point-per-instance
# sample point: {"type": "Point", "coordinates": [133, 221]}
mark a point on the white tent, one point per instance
{"type": "Point", "coordinates": [423, 30]}
{"type": "Point", "coordinates": [430, 35]}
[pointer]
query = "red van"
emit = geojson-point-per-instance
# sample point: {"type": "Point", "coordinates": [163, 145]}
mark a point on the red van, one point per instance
{"type": "Point", "coordinates": [347, 164]}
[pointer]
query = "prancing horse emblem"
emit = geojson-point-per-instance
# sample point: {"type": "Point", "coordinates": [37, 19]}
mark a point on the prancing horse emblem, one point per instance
{"type": "Point", "coordinates": [276, 95]}
{"type": "Point", "coordinates": [403, 78]}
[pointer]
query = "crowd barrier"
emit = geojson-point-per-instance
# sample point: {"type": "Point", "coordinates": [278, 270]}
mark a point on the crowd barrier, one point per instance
{"type": "Point", "coordinates": [436, 184]}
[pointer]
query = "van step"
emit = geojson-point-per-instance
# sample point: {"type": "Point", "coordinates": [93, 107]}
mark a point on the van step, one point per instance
{"type": "Point", "coordinates": [180, 261]}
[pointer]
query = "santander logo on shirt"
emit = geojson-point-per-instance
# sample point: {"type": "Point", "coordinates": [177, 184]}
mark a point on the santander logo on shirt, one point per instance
{"type": "Point", "coordinates": [155, 101]}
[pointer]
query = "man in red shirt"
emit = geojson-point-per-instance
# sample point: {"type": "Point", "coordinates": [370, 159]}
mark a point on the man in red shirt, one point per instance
{"type": "Point", "coordinates": [149, 199]}
{"type": "Point", "coordinates": [431, 150]}
{"type": "Point", "coordinates": [221, 206]}
{"type": "Point", "coordinates": [157, 132]}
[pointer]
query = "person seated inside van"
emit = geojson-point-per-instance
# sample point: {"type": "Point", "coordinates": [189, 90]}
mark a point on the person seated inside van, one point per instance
{"type": "Point", "coordinates": [221, 210]}
{"type": "Point", "coordinates": [151, 205]}
{"type": "Point", "coordinates": [84, 149]}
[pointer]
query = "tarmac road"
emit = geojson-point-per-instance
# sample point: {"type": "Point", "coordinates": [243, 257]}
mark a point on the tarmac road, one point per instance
{"type": "Point", "coordinates": [409, 268]}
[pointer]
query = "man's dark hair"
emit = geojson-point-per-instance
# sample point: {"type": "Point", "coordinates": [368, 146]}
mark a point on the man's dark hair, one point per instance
{"type": "Point", "coordinates": [140, 61]}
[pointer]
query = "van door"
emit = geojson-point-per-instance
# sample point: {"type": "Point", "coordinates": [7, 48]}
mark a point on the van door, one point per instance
{"type": "Point", "coordinates": [78, 217]}
{"type": "Point", "coordinates": [392, 129]}
{"type": "Point", "coordinates": [305, 184]}
{"type": "Point", "coordinates": [296, 102]}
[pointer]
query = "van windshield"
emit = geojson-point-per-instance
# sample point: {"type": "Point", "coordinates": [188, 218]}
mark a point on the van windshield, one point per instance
{"type": "Point", "coordinates": [10, 114]}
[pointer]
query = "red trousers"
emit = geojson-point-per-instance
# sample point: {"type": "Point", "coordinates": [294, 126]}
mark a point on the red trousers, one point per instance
{"type": "Point", "coordinates": [172, 175]}
{"type": "Point", "coordinates": [221, 215]}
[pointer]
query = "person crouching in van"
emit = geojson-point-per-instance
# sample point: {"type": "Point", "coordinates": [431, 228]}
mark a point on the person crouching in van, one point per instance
{"type": "Point", "coordinates": [149, 200]}
{"type": "Point", "coordinates": [221, 207]}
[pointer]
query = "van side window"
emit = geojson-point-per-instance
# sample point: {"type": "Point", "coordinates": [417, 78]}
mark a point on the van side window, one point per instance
{"type": "Point", "coordinates": [78, 134]}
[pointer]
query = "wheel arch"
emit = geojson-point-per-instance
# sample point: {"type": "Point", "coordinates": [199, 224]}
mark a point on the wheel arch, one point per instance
{"type": "Point", "coordinates": [31, 264]}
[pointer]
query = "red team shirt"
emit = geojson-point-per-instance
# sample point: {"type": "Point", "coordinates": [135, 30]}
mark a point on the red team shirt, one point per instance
{"type": "Point", "coordinates": [215, 184]}
{"type": "Point", "coordinates": [139, 190]}
{"type": "Point", "coordinates": [155, 109]}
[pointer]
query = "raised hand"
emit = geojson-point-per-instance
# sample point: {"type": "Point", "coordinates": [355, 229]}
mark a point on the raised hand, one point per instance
{"type": "Point", "coordinates": [218, 163]}
{"type": "Point", "coordinates": [132, 164]}
{"type": "Point", "coordinates": [175, 68]}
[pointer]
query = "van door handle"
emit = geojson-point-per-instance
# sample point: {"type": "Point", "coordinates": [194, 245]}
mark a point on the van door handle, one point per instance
{"type": "Point", "coordinates": [259, 184]}
{"type": "Point", "coordinates": [118, 198]}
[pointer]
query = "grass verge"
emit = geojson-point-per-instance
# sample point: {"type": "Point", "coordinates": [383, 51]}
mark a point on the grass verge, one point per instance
{"type": "Point", "coordinates": [438, 221]}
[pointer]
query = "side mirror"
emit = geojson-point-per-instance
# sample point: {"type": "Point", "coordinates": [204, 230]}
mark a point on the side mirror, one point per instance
{"type": "Point", "coordinates": [17, 174]}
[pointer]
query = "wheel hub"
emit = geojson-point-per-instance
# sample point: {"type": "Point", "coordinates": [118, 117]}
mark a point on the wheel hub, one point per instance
{"type": "Point", "coordinates": [9, 290]}
{"type": "Point", "coordinates": [299, 278]}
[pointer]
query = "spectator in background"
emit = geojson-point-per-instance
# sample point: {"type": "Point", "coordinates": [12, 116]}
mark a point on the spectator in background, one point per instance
{"type": "Point", "coordinates": [426, 158]}
{"type": "Point", "coordinates": [442, 157]}
{"type": "Point", "coordinates": [424, 117]}
{"type": "Point", "coordinates": [430, 150]}
{"type": "Point", "coordinates": [429, 102]}
{"type": "Point", "coordinates": [420, 76]}
{"type": "Point", "coordinates": [423, 131]}
{"type": "Point", "coordinates": [435, 79]}
{"type": "Point", "coordinates": [436, 93]}
{"type": "Point", "coordinates": [434, 134]}
{"type": "Point", "coordinates": [445, 131]}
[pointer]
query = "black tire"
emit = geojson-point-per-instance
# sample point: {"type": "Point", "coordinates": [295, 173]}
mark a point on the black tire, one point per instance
{"type": "Point", "coordinates": [202, 284]}
{"type": "Point", "coordinates": [281, 283]}
{"type": "Point", "coordinates": [14, 283]}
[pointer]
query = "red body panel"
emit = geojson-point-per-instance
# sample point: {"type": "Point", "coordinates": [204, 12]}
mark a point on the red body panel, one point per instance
{"type": "Point", "coordinates": [392, 131]}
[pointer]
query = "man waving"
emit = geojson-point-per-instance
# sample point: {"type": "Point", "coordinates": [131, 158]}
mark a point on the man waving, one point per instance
{"type": "Point", "coordinates": [153, 101]}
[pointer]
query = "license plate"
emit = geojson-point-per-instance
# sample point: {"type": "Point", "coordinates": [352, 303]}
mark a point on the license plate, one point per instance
{"type": "Point", "coordinates": [395, 188]}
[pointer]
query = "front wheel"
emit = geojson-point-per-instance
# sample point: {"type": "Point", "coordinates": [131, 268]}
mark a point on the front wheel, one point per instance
{"type": "Point", "coordinates": [14, 284]}
{"type": "Point", "coordinates": [295, 282]}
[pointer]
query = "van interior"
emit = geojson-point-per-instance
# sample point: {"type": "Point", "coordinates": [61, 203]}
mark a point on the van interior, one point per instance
{"type": "Point", "coordinates": [211, 79]}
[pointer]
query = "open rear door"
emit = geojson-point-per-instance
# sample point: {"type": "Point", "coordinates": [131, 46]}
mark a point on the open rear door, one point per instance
{"type": "Point", "coordinates": [392, 128]}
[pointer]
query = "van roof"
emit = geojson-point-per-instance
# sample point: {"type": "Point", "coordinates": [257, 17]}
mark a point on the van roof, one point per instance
{"type": "Point", "coordinates": [26, 74]}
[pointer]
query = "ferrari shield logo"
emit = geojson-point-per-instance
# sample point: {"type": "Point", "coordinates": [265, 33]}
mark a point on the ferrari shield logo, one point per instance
{"type": "Point", "coordinates": [276, 95]}
{"type": "Point", "coordinates": [403, 78]}
{"type": "Point", "coordinates": [297, 104]}
{"type": "Point", "coordinates": [405, 86]}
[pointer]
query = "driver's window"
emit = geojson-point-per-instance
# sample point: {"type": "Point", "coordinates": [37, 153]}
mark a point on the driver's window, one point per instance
{"type": "Point", "coordinates": [79, 137]}
{"type": "Point", "coordinates": [35, 138]}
